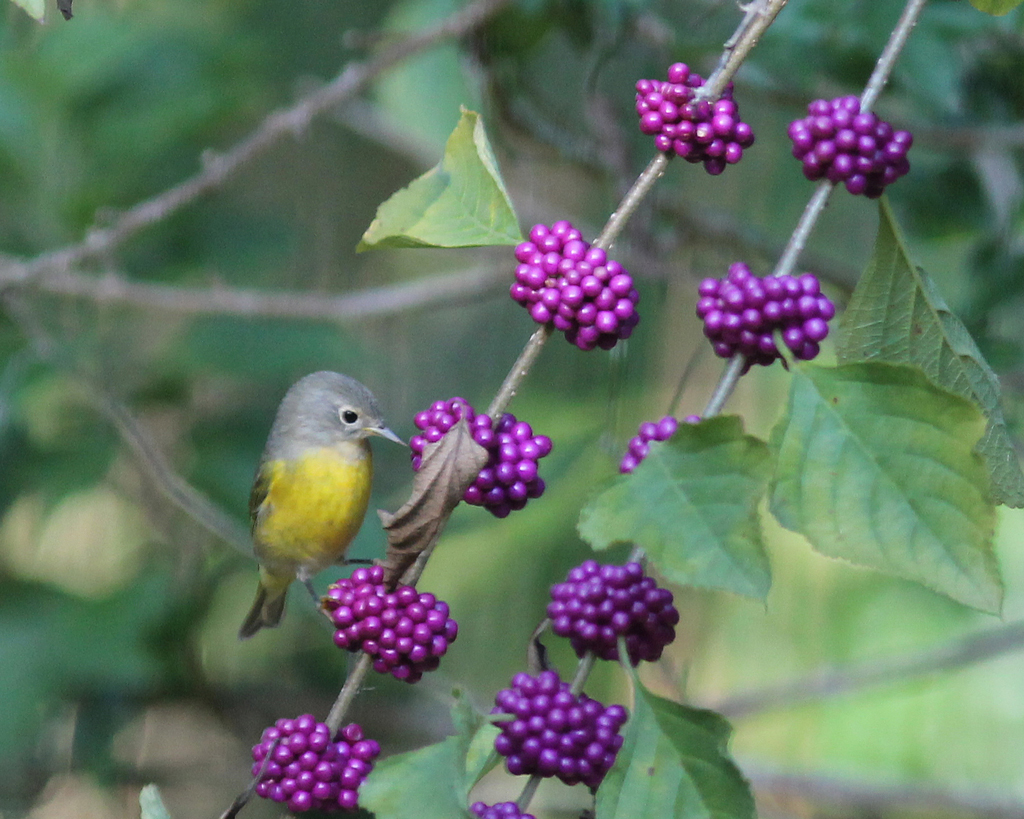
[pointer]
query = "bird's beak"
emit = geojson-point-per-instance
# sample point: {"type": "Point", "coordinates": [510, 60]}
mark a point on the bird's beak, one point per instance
{"type": "Point", "coordinates": [384, 432]}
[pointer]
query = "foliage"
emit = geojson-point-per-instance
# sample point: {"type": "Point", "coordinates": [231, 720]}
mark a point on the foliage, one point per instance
{"type": "Point", "coordinates": [116, 612]}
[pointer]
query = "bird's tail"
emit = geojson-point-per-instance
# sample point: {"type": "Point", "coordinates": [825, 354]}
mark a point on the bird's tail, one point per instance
{"type": "Point", "coordinates": [268, 607]}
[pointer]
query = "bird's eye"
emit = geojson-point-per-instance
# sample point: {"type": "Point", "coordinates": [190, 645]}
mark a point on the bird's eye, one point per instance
{"type": "Point", "coordinates": [349, 416]}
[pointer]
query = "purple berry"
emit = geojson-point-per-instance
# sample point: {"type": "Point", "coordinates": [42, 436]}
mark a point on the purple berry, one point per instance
{"type": "Point", "coordinates": [698, 131]}
{"type": "Point", "coordinates": [510, 476]}
{"type": "Point", "coordinates": [639, 446]}
{"type": "Point", "coordinates": [405, 632]}
{"type": "Point", "coordinates": [556, 733]}
{"type": "Point", "coordinates": [839, 142]}
{"type": "Point", "coordinates": [500, 810]}
{"type": "Point", "coordinates": [746, 311]}
{"type": "Point", "coordinates": [598, 604]}
{"type": "Point", "coordinates": [563, 280]}
{"type": "Point", "coordinates": [324, 775]}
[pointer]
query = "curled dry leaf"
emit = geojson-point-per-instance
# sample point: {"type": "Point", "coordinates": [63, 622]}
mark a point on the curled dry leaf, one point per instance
{"type": "Point", "coordinates": [448, 468]}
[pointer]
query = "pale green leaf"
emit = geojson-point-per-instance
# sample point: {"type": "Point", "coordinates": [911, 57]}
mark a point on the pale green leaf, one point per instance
{"type": "Point", "coordinates": [34, 8]}
{"type": "Point", "coordinates": [433, 782]}
{"type": "Point", "coordinates": [692, 506]}
{"type": "Point", "coordinates": [151, 804]}
{"type": "Point", "coordinates": [896, 315]}
{"type": "Point", "coordinates": [674, 763]}
{"type": "Point", "coordinates": [876, 465]}
{"type": "Point", "coordinates": [996, 7]}
{"type": "Point", "coordinates": [462, 202]}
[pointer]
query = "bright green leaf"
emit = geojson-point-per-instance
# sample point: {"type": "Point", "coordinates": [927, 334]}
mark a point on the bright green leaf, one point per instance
{"type": "Point", "coordinates": [34, 8]}
{"type": "Point", "coordinates": [674, 763]}
{"type": "Point", "coordinates": [692, 506]}
{"type": "Point", "coordinates": [460, 203]}
{"type": "Point", "coordinates": [896, 315]}
{"type": "Point", "coordinates": [151, 804]}
{"type": "Point", "coordinates": [996, 7]}
{"type": "Point", "coordinates": [432, 782]}
{"type": "Point", "coordinates": [876, 465]}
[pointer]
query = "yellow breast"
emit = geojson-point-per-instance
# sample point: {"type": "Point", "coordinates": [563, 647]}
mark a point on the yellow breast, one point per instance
{"type": "Point", "coordinates": [313, 508]}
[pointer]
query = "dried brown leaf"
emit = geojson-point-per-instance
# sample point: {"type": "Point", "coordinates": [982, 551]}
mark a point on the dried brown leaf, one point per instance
{"type": "Point", "coordinates": [449, 467]}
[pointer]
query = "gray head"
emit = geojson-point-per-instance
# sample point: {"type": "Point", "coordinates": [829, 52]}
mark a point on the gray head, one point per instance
{"type": "Point", "coordinates": [324, 409]}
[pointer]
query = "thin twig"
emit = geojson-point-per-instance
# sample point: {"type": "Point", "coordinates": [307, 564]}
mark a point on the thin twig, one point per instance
{"type": "Point", "coordinates": [856, 797]}
{"type": "Point", "coordinates": [353, 682]}
{"type": "Point", "coordinates": [816, 204]}
{"type": "Point", "coordinates": [631, 201]}
{"type": "Point", "coordinates": [279, 124]}
{"type": "Point", "coordinates": [759, 15]}
{"type": "Point", "coordinates": [449, 288]}
{"type": "Point", "coordinates": [828, 683]}
{"type": "Point", "coordinates": [887, 59]}
{"type": "Point", "coordinates": [520, 370]}
{"type": "Point", "coordinates": [175, 488]}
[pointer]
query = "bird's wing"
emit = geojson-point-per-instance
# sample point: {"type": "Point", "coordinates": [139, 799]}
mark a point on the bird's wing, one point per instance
{"type": "Point", "coordinates": [258, 504]}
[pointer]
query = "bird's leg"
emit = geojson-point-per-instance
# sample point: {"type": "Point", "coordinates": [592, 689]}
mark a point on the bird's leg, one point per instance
{"type": "Point", "coordinates": [307, 581]}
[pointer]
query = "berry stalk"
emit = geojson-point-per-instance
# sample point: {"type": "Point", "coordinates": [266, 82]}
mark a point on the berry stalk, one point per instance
{"type": "Point", "coordinates": [737, 48]}
{"type": "Point", "coordinates": [759, 15]}
{"type": "Point", "coordinates": [808, 219]}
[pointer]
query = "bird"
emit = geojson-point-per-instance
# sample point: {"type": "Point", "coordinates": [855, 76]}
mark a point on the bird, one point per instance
{"type": "Point", "coordinates": [312, 486]}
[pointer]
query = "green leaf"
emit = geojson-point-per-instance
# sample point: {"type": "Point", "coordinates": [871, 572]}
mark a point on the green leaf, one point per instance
{"type": "Point", "coordinates": [692, 506]}
{"type": "Point", "coordinates": [460, 203]}
{"type": "Point", "coordinates": [996, 7]}
{"type": "Point", "coordinates": [896, 315]}
{"type": "Point", "coordinates": [876, 465]}
{"type": "Point", "coordinates": [433, 782]}
{"type": "Point", "coordinates": [34, 8]}
{"type": "Point", "coordinates": [151, 804]}
{"type": "Point", "coordinates": [674, 763]}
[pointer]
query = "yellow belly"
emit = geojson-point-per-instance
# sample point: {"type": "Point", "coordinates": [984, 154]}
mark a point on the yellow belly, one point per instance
{"type": "Point", "coordinates": [313, 509]}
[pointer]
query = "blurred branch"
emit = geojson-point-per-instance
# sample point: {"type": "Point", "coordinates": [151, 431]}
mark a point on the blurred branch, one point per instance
{"type": "Point", "coordinates": [827, 683]}
{"type": "Point", "coordinates": [218, 167]}
{"type": "Point", "coordinates": [175, 488]}
{"type": "Point", "coordinates": [861, 798]}
{"type": "Point", "coordinates": [112, 288]}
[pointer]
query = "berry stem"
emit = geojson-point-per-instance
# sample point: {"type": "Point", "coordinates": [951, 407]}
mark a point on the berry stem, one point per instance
{"type": "Point", "coordinates": [759, 15]}
{"type": "Point", "coordinates": [586, 665]}
{"type": "Point", "coordinates": [529, 789]}
{"type": "Point", "coordinates": [898, 39]}
{"type": "Point", "coordinates": [348, 691]}
{"type": "Point", "coordinates": [519, 370]}
{"type": "Point", "coordinates": [631, 201]}
{"type": "Point", "coordinates": [816, 204]}
{"type": "Point", "coordinates": [808, 219]}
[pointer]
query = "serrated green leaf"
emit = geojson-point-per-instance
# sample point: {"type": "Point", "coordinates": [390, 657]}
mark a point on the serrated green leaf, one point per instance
{"type": "Point", "coordinates": [996, 7]}
{"type": "Point", "coordinates": [674, 763]}
{"type": "Point", "coordinates": [692, 506]}
{"type": "Point", "coordinates": [876, 465]}
{"type": "Point", "coordinates": [34, 8]}
{"type": "Point", "coordinates": [462, 202]}
{"type": "Point", "coordinates": [151, 804]}
{"type": "Point", "coordinates": [432, 782]}
{"type": "Point", "coordinates": [896, 315]}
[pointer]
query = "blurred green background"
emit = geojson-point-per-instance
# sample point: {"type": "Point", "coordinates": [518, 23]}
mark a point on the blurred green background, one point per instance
{"type": "Point", "coordinates": [119, 663]}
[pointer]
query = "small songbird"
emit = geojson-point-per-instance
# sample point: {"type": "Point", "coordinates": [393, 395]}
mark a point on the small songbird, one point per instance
{"type": "Point", "coordinates": [312, 486]}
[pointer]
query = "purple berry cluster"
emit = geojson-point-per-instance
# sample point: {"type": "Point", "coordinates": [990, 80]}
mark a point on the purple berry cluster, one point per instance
{"type": "Point", "coordinates": [405, 631]}
{"type": "Point", "coordinates": [563, 280]}
{"type": "Point", "coordinates": [742, 312]}
{"type": "Point", "coordinates": [556, 732]}
{"type": "Point", "coordinates": [310, 770]}
{"type": "Point", "coordinates": [698, 131]}
{"type": "Point", "coordinates": [509, 478]}
{"type": "Point", "coordinates": [640, 444]}
{"type": "Point", "coordinates": [598, 604]}
{"type": "Point", "coordinates": [501, 810]}
{"type": "Point", "coordinates": [838, 142]}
